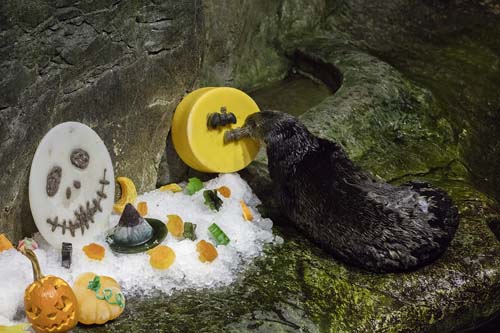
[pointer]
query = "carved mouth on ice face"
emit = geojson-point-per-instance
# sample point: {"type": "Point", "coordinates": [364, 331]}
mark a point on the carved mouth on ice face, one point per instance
{"type": "Point", "coordinates": [84, 214]}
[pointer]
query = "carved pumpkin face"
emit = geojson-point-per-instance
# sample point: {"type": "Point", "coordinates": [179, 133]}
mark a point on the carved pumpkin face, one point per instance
{"type": "Point", "coordinates": [51, 305]}
{"type": "Point", "coordinates": [49, 302]}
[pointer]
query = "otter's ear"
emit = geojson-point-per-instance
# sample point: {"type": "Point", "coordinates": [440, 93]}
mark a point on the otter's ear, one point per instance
{"type": "Point", "coordinates": [249, 122]}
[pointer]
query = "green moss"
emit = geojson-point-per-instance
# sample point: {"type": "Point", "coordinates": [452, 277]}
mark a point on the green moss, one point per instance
{"type": "Point", "coordinates": [380, 116]}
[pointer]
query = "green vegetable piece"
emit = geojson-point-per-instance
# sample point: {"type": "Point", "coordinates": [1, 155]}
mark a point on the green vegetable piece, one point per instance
{"type": "Point", "coordinates": [94, 284]}
{"type": "Point", "coordinates": [219, 235]}
{"type": "Point", "coordinates": [194, 185]}
{"type": "Point", "coordinates": [212, 200]}
{"type": "Point", "coordinates": [189, 231]}
{"type": "Point", "coordinates": [107, 293]}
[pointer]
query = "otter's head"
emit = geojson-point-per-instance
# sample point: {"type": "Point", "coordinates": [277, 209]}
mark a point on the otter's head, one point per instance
{"type": "Point", "coordinates": [260, 126]}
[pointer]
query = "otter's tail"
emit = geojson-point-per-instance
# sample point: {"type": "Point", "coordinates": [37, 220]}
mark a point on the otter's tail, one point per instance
{"type": "Point", "coordinates": [444, 211]}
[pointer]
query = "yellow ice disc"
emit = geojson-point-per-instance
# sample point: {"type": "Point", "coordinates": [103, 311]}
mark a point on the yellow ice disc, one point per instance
{"type": "Point", "coordinates": [203, 148]}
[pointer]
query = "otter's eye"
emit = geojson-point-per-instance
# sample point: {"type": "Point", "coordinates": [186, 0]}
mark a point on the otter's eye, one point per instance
{"type": "Point", "coordinates": [80, 158]}
{"type": "Point", "coordinates": [53, 181]}
{"type": "Point", "coordinates": [250, 122]}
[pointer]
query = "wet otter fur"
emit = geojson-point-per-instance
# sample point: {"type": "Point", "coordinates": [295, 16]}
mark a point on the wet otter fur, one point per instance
{"type": "Point", "coordinates": [363, 221]}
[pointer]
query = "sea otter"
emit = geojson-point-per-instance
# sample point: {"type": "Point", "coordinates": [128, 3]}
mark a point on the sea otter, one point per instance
{"type": "Point", "coordinates": [363, 221]}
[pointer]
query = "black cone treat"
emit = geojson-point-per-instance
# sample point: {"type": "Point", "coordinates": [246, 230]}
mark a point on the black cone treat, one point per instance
{"type": "Point", "coordinates": [132, 229]}
{"type": "Point", "coordinates": [130, 217]}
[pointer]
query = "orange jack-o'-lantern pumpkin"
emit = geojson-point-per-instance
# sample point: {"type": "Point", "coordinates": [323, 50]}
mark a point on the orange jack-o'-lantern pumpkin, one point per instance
{"type": "Point", "coordinates": [49, 302]}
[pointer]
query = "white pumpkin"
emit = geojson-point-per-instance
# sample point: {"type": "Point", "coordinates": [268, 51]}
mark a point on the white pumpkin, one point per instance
{"type": "Point", "coordinates": [99, 298]}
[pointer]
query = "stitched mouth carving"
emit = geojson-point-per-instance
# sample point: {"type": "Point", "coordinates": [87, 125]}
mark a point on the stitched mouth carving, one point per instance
{"type": "Point", "coordinates": [85, 214]}
{"type": "Point", "coordinates": [71, 185]}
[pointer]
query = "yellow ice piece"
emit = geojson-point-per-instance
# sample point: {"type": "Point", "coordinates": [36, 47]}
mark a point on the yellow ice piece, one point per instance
{"type": "Point", "coordinates": [202, 148]}
{"type": "Point", "coordinates": [19, 328]}
{"type": "Point", "coordinates": [142, 208]}
{"type": "Point", "coordinates": [129, 194]}
{"type": "Point", "coordinates": [161, 257]}
{"type": "Point", "coordinates": [94, 251]}
{"type": "Point", "coordinates": [5, 243]}
{"type": "Point", "coordinates": [207, 252]}
{"type": "Point", "coordinates": [247, 213]}
{"type": "Point", "coordinates": [173, 187]}
{"type": "Point", "coordinates": [175, 225]}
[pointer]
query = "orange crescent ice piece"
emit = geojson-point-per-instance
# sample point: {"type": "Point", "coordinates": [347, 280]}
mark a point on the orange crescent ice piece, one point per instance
{"type": "Point", "coordinates": [247, 213]}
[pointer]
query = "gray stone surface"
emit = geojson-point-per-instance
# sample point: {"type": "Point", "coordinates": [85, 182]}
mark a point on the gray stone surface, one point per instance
{"type": "Point", "coordinates": [244, 39]}
{"type": "Point", "coordinates": [450, 48]}
{"type": "Point", "coordinates": [118, 66]}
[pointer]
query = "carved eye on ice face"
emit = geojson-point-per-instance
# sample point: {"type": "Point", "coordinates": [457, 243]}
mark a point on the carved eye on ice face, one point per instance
{"type": "Point", "coordinates": [53, 181]}
{"type": "Point", "coordinates": [80, 158]}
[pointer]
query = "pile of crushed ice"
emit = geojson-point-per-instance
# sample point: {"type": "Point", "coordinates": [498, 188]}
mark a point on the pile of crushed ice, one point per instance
{"type": "Point", "coordinates": [133, 271]}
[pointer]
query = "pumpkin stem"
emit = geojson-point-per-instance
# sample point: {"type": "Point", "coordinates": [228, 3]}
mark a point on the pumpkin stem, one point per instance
{"type": "Point", "coordinates": [37, 273]}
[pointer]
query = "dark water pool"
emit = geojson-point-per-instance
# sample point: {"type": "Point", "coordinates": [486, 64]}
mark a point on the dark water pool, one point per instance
{"type": "Point", "coordinates": [490, 326]}
{"type": "Point", "coordinates": [295, 95]}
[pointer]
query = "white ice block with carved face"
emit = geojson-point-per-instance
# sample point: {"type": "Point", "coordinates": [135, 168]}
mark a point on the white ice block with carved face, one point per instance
{"type": "Point", "coordinates": [71, 185]}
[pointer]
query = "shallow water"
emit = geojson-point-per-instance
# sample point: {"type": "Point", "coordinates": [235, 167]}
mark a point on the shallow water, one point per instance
{"type": "Point", "coordinates": [490, 326]}
{"type": "Point", "coordinates": [295, 95]}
